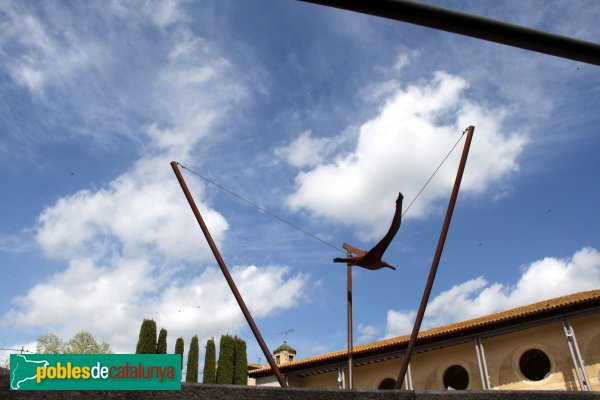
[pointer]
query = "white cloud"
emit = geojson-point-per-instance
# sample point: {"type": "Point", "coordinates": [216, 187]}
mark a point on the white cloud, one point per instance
{"type": "Point", "coordinates": [162, 13]}
{"type": "Point", "coordinates": [45, 57]}
{"type": "Point", "coordinates": [367, 333]}
{"type": "Point", "coordinates": [542, 279]}
{"type": "Point", "coordinates": [399, 322]}
{"type": "Point", "coordinates": [112, 300]}
{"type": "Point", "coordinates": [399, 149]}
{"type": "Point", "coordinates": [196, 89]}
{"type": "Point", "coordinates": [404, 59]}
{"type": "Point", "coordinates": [308, 151]}
{"type": "Point", "coordinates": [17, 243]}
{"type": "Point", "coordinates": [142, 212]}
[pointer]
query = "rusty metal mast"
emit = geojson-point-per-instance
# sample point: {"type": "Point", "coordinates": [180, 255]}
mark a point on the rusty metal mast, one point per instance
{"type": "Point", "coordinates": [228, 278]}
{"type": "Point", "coordinates": [436, 260]}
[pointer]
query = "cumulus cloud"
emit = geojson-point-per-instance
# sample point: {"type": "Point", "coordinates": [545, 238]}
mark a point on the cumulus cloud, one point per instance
{"type": "Point", "coordinates": [142, 212]}
{"type": "Point", "coordinates": [543, 279]}
{"type": "Point", "coordinates": [398, 150]}
{"type": "Point", "coordinates": [111, 300]}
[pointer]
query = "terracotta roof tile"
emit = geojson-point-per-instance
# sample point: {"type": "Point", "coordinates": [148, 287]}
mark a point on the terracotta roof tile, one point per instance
{"type": "Point", "coordinates": [525, 312]}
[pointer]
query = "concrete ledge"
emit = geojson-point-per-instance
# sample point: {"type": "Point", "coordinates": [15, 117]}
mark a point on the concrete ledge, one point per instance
{"type": "Point", "coordinates": [230, 392]}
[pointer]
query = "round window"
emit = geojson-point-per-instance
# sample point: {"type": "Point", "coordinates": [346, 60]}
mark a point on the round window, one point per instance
{"type": "Point", "coordinates": [388, 383]}
{"type": "Point", "coordinates": [456, 377]}
{"type": "Point", "coordinates": [535, 365]}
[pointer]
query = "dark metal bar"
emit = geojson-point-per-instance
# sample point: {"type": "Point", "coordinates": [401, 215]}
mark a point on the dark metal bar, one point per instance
{"type": "Point", "coordinates": [449, 20]}
{"type": "Point", "coordinates": [436, 260]}
{"type": "Point", "coordinates": [350, 340]}
{"type": "Point", "coordinates": [228, 278]}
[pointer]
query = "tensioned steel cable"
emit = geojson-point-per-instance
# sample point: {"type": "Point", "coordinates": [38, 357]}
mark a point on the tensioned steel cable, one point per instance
{"type": "Point", "coordinates": [435, 172]}
{"type": "Point", "coordinates": [296, 226]}
{"type": "Point", "coordinates": [261, 208]}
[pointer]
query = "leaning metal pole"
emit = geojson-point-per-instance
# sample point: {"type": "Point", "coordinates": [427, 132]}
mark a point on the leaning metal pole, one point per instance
{"type": "Point", "coordinates": [436, 260]}
{"type": "Point", "coordinates": [228, 277]}
{"type": "Point", "coordinates": [449, 20]}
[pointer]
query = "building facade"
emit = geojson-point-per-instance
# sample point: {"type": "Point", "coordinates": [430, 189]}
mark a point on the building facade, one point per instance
{"type": "Point", "coordinates": [550, 345]}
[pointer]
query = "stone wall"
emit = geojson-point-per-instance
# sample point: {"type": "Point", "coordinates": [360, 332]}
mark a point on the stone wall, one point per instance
{"type": "Point", "coordinates": [230, 392]}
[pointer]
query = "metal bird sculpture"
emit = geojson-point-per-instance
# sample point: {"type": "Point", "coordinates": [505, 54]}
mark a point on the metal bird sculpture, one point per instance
{"type": "Point", "coordinates": [372, 259]}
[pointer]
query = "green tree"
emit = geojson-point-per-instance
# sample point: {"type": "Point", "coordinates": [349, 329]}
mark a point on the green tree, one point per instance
{"type": "Point", "coordinates": [225, 367]}
{"type": "Point", "coordinates": [240, 362]}
{"type": "Point", "coordinates": [85, 343]}
{"type": "Point", "coordinates": [210, 363]}
{"type": "Point", "coordinates": [49, 343]}
{"type": "Point", "coordinates": [161, 346]}
{"type": "Point", "coordinates": [179, 349]}
{"type": "Point", "coordinates": [192, 365]}
{"type": "Point", "coordinates": [147, 341]}
{"type": "Point", "coordinates": [104, 348]}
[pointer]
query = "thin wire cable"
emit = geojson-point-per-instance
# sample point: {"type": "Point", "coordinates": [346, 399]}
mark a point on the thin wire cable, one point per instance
{"type": "Point", "coordinates": [262, 209]}
{"type": "Point", "coordinates": [296, 226]}
{"type": "Point", "coordinates": [435, 172]}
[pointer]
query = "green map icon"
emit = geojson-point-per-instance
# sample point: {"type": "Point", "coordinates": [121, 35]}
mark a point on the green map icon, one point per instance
{"type": "Point", "coordinates": [23, 369]}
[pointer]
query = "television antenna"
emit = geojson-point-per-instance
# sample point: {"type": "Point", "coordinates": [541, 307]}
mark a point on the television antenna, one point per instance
{"type": "Point", "coordinates": [286, 332]}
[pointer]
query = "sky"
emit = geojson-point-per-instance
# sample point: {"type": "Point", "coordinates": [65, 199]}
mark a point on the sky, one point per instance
{"type": "Point", "coordinates": [320, 116]}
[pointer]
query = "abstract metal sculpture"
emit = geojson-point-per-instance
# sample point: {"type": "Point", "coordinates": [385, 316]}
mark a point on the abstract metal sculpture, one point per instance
{"type": "Point", "coordinates": [372, 259]}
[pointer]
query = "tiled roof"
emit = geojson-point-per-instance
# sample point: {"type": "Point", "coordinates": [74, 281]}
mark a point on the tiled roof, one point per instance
{"type": "Point", "coordinates": [253, 366]}
{"type": "Point", "coordinates": [529, 312]}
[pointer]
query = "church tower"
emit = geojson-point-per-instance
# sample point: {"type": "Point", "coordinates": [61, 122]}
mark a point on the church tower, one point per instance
{"type": "Point", "coordinates": [284, 353]}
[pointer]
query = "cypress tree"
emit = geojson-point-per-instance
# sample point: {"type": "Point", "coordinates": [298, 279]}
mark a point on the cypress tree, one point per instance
{"type": "Point", "coordinates": [179, 349]}
{"type": "Point", "coordinates": [240, 362]}
{"type": "Point", "coordinates": [225, 367]}
{"type": "Point", "coordinates": [192, 365]}
{"type": "Point", "coordinates": [210, 360]}
{"type": "Point", "coordinates": [161, 346]}
{"type": "Point", "coordinates": [147, 341]}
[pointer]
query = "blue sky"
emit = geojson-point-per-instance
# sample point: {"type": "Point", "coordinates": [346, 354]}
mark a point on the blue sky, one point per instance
{"type": "Point", "coordinates": [319, 115]}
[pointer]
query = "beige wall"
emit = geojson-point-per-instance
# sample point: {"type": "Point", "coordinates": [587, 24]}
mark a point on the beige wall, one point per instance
{"type": "Point", "coordinates": [587, 332]}
{"type": "Point", "coordinates": [428, 368]}
{"type": "Point", "coordinates": [503, 354]}
{"type": "Point", "coordinates": [326, 380]}
{"type": "Point", "coordinates": [267, 381]}
{"type": "Point", "coordinates": [369, 376]}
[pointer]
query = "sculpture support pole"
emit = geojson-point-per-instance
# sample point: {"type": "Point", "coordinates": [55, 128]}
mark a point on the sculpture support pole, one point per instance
{"type": "Point", "coordinates": [228, 278]}
{"type": "Point", "coordinates": [436, 260]}
{"type": "Point", "coordinates": [350, 340]}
